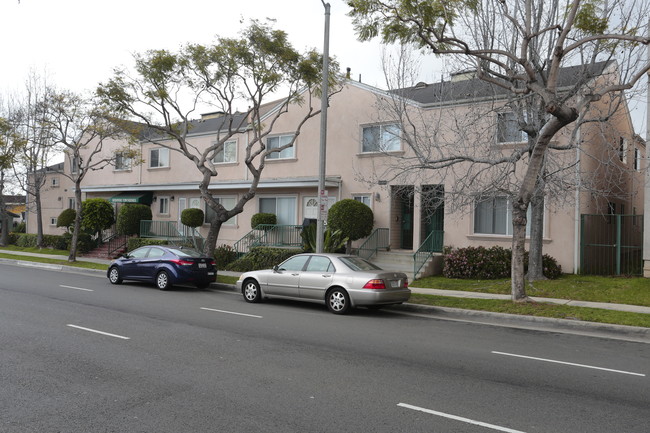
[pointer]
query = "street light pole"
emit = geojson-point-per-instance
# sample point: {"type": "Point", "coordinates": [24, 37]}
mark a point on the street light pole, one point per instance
{"type": "Point", "coordinates": [322, 192]}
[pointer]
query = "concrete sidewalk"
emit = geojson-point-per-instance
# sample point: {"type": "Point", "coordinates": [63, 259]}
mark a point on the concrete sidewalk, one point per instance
{"type": "Point", "coordinates": [437, 292]}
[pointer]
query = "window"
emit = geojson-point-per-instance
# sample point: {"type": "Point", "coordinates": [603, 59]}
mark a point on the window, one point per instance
{"type": "Point", "coordinates": [493, 216]}
{"type": "Point", "coordinates": [295, 263]}
{"type": "Point", "coordinates": [122, 162]}
{"type": "Point", "coordinates": [159, 158]}
{"type": "Point", "coordinates": [622, 150]}
{"type": "Point", "coordinates": [227, 153]}
{"type": "Point", "coordinates": [381, 138]}
{"type": "Point", "coordinates": [163, 205]}
{"type": "Point", "coordinates": [320, 264]}
{"type": "Point", "coordinates": [277, 142]}
{"type": "Point", "coordinates": [53, 221]}
{"type": "Point", "coordinates": [637, 159]}
{"type": "Point", "coordinates": [508, 128]}
{"type": "Point", "coordinates": [228, 203]}
{"type": "Point", "coordinates": [75, 165]}
{"type": "Point", "coordinates": [54, 182]}
{"type": "Point", "coordinates": [363, 198]}
{"type": "Point", "coordinates": [284, 208]}
{"type": "Point", "coordinates": [71, 203]}
{"type": "Point", "coordinates": [155, 253]}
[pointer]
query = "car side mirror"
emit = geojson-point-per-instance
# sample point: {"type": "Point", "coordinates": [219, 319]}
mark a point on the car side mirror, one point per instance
{"type": "Point", "coordinates": [275, 268]}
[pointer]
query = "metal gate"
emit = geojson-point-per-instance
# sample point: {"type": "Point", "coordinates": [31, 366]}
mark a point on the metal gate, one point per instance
{"type": "Point", "coordinates": [611, 244]}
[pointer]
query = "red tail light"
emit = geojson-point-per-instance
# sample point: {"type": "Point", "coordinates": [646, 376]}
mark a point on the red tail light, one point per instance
{"type": "Point", "coordinates": [406, 283]}
{"type": "Point", "coordinates": [375, 284]}
{"type": "Point", "coordinates": [182, 262]}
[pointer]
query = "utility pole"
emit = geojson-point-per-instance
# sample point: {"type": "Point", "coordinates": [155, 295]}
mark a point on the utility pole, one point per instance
{"type": "Point", "coordinates": [322, 192]}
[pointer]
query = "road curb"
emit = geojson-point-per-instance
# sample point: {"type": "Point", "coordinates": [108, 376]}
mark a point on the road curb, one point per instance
{"type": "Point", "coordinates": [52, 267]}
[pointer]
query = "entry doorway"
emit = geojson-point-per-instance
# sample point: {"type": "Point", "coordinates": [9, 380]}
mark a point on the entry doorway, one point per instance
{"type": "Point", "coordinates": [402, 215]}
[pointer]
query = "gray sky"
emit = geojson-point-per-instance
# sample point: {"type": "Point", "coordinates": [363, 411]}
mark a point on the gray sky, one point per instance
{"type": "Point", "coordinates": [77, 43]}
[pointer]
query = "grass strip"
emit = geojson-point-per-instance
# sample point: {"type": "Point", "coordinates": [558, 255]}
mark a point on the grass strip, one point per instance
{"type": "Point", "coordinates": [35, 250]}
{"type": "Point", "coordinates": [537, 309]}
{"type": "Point", "coordinates": [77, 264]}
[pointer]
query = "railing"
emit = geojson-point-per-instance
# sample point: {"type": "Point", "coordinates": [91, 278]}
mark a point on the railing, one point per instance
{"type": "Point", "coordinates": [611, 244]}
{"type": "Point", "coordinates": [377, 240]}
{"type": "Point", "coordinates": [115, 242]}
{"type": "Point", "coordinates": [172, 231]}
{"type": "Point", "coordinates": [432, 244]}
{"type": "Point", "coordinates": [270, 235]}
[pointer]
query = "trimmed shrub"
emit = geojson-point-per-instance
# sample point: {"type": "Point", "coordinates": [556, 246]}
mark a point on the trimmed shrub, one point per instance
{"type": "Point", "coordinates": [261, 258]}
{"type": "Point", "coordinates": [263, 218]}
{"type": "Point", "coordinates": [489, 263]}
{"type": "Point", "coordinates": [13, 237]}
{"type": "Point", "coordinates": [134, 243]}
{"type": "Point", "coordinates": [66, 219]}
{"type": "Point", "coordinates": [20, 228]}
{"type": "Point", "coordinates": [192, 217]}
{"type": "Point", "coordinates": [224, 255]}
{"type": "Point", "coordinates": [353, 218]}
{"type": "Point", "coordinates": [55, 241]}
{"type": "Point", "coordinates": [97, 214]}
{"type": "Point", "coordinates": [129, 217]}
{"type": "Point", "coordinates": [85, 243]}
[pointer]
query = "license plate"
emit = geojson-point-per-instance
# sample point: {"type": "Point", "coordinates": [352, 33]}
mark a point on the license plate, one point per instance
{"type": "Point", "coordinates": [210, 273]}
{"type": "Point", "coordinates": [203, 265]}
{"type": "Point", "coordinates": [394, 284]}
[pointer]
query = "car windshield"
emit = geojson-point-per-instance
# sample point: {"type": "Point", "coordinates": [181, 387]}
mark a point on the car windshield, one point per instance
{"type": "Point", "coordinates": [359, 264]}
{"type": "Point", "coordinates": [185, 252]}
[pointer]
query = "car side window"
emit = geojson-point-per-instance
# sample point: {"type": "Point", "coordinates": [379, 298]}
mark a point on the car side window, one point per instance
{"type": "Point", "coordinates": [295, 263]}
{"type": "Point", "coordinates": [155, 253]}
{"type": "Point", "coordinates": [320, 264]}
{"type": "Point", "coordinates": [140, 253]}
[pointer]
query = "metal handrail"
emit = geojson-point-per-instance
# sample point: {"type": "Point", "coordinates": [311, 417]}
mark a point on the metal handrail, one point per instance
{"type": "Point", "coordinates": [377, 240]}
{"type": "Point", "coordinates": [115, 242]}
{"type": "Point", "coordinates": [172, 231]}
{"type": "Point", "coordinates": [432, 244]}
{"type": "Point", "coordinates": [270, 235]}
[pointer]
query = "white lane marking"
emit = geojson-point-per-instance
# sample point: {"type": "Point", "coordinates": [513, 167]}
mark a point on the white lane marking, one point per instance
{"type": "Point", "coordinates": [99, 332]}
{"type": "Point", "coordinates": [459, 418]}
{"type": "Point", "coordinates": [232, 312]}
{"type": "Point", "coordinates": [76, 288]}
{"type": "Point", "coordinates": [568, 363]}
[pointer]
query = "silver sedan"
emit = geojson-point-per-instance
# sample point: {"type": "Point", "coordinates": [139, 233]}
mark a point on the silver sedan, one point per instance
{"type": "Point", "coordinates": [339, 281]}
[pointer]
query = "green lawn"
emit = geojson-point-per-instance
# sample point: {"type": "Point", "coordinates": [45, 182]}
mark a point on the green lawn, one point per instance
{"type": "Point", "coordinates": [36, 250]}
{"type": "Point", "coordinates": [618, 290]}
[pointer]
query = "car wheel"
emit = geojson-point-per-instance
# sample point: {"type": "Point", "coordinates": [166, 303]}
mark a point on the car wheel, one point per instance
{"type": "Point", "coordinates": [251, 291]}
{"type": "Point", "coordinates": [162, 280]}
{"type": "Point", "coordinates": [338, 301]}
{"type": "Point", "coordinates": [114, 276]}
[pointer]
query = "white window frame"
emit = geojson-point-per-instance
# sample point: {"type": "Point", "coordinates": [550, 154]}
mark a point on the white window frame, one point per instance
{"type": "Point", "coordinates": [622, 150]}
{"type": "Point", "coordinates": [163, 205]}
{"type": "Point", "coordinates": [54, 182]}
{"type": "Point", "coordinates": [276, 197]}
{"type": "Point", "coordinates": [504, 137]}
{"type": "Point", "coordinates": [363, 198]}
{"type": "Point", "coordinates": [160, 150]}
{"type": "Point", "coordinates": [232, 145]}
{"type": "Point", "coordinates": [53, 221]}
{"type": "Point", "coordinates": [124, 162]}
{"type": "Point", "coordinates": [637, 159]}
{"type": "Point", "coordinates": [72, 203]}
{"type": "Point", "coordinates": [386, 141]}
{"type": "Point", "coordinates": [282, 140]}
{"type": "Point", "coordinates": [228, 202]}
{"type": "Point", "coordinates": [508, 218]}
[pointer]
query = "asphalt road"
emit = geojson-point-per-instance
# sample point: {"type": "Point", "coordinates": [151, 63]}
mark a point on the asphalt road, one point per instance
{"type": "Point", "coordinates": [80, 355]}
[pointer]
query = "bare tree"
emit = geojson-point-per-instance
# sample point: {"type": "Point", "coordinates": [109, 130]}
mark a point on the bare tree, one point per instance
{"type": "Point", "coordinates": [255, 69]}
{"type": "Point", "coordinates": [521, 47]}
{"type": "Point", "coordinates": [81, 126]}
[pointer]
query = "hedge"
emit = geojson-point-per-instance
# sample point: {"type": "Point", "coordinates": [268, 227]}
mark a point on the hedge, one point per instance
{"type": "Point", "coordinates": [261, 258]}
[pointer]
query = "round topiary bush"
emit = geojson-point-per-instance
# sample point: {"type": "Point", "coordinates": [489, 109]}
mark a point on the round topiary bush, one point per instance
{"type": "Point", "coordinates": [129, 217]}
{"type": "Point", "coordinates": [263, 218]}
{"type": "Point", "coordinates": [66, 218]}
{"type": "Point", "coordinates": [97, 214]}
{"type": "Point", "coordinates": [353, 218]}
{"type": "Point", "coordinates": [192, 217]}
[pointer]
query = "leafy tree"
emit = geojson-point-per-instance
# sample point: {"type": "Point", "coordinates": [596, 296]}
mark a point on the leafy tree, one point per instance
{"type": "Point", "coordinates": [10, 145]}
{"type": "Point", "coordinates": [520, 47]}
{"type": "Point", "coordinates": [353, 218]}
{"type": "Point", "coordinates": [192, 217]}
{"type": "Point", "coordinates": [96, 215]}
{"type": "Point", "coordinates": [166, 87]}
{"type": "Point", "coordinates": [66, 219]}
{"type": "Point", "coordinates": [129, 217]}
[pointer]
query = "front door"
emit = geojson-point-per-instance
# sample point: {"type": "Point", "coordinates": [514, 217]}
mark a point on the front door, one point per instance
{"type": "Point", "coordinates": [404, 195]}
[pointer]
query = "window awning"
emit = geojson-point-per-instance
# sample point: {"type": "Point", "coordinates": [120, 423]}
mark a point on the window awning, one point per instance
{"type": "Point", "coordinates": [133, 197]}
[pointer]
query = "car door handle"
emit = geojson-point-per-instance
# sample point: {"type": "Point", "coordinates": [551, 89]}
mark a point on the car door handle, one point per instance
{"type": "Point", "coordinates": [295, 275]}
{"type": "Point", "coordinates": [325, 276]}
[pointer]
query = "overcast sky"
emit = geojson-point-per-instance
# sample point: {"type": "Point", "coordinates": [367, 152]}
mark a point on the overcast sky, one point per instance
{"type": "Point", "coordinates": [77, 43]}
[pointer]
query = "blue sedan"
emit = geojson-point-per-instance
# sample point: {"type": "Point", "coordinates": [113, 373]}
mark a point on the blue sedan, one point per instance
{"type": "Point", "coordinates": [164, 266]}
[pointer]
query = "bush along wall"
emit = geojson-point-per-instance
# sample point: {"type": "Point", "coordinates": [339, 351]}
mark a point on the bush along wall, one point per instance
{"type": "Point", "coordinates": [489, 263]}
{"type": "Point", "coordinates": [261, 258]}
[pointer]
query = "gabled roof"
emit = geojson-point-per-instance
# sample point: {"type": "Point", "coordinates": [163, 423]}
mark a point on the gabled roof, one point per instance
{"type": "Point", "coordinates": [474, 88]}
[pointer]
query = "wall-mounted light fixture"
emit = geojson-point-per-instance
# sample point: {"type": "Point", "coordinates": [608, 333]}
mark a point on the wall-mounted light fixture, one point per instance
{"type": "Point", "coordinates": [377, 196]}
{"type": "Point", "coordinates": [155, 198]}
{"type": "Point", "coordinates": [171, 198]}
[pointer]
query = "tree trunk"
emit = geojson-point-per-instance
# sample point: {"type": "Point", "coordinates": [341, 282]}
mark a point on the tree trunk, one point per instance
{"type": "Point", "coordinates": [535, 251]}
{"type": "Point", "coordinates": [519, 209]}
{"type": "Point", "coordinates": [39, 218]}
{"type": "Point", "coordinates": [213, 235]}
{"type": "Point", "coordinates": [72, 257]}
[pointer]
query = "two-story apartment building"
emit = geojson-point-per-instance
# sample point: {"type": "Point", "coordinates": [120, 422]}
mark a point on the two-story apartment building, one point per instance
{"type": "Point", "coordinates": [371, 159]}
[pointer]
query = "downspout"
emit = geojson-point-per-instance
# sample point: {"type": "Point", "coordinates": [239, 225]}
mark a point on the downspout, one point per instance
{"type": "Point", "coordinates": [576, 229]}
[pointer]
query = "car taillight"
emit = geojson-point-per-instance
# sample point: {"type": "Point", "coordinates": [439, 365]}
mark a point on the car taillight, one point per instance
{"type": "Point", "coordinates": [406, 283]}
{"type": "Point", "coordinates": [182, 262]}
{"type": "Point", "coordinates": [375, 284]}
